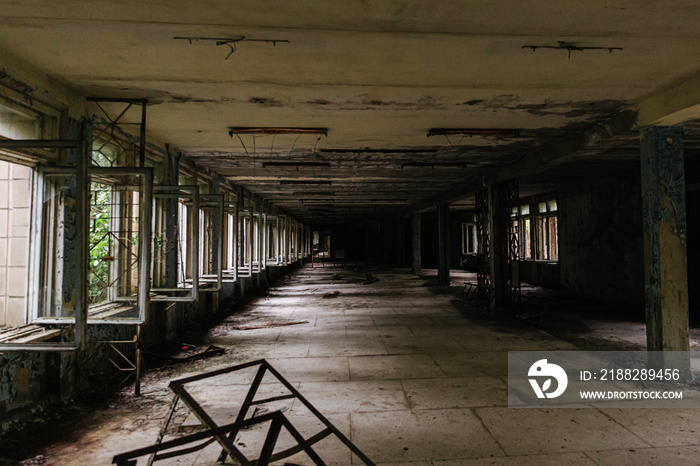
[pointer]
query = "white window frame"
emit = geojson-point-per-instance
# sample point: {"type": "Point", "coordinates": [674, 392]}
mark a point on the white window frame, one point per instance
{"type": "Point", "coordinates": [187, 289]}
{"type": "Point", "coordinates": [79, 292]}
{"type": "Point", "coordinates": [214, 203]}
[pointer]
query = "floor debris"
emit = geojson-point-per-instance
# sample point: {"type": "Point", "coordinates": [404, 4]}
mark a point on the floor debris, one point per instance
{"type": "Point", "coordinates": [332, 295]}
{"type": "Point", "coordinates": [267, 325]}
{"type": "Point", "coordinates": [211, 350]}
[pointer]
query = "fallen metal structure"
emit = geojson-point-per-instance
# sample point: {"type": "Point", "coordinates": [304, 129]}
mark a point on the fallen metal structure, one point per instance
{"type": "Point", "coordinates": [225, 435]}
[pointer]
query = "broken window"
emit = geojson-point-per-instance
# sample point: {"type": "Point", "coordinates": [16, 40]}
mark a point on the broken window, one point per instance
{"type": "Point", "coordinates": [175, 236]}
{"type": "Point", "coordinates": [119, 223]}
{"type": "Point", "coordinates": [211, 235]}
{"type": "Point", "coordinates": [272, 241]}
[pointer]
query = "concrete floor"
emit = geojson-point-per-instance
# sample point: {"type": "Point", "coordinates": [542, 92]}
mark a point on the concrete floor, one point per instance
{"type": "Point", "coordinates": [411, 376]}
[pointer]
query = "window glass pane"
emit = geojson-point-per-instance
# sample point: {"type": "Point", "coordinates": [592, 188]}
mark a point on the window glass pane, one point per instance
{"type": "Point", "coordinates": [525, 209]}
{"type": "Point", "coordinates": [542, 207]}
{"type": "Point", "coordinates": [472, 239]}
{"type": "Point", "coordinates": [15, 190]}
{"type": "Point", "coordinates": [526, 245]}
{"type": "Point", "coordinates": [554, 241]}
{"type": "Point", "coordinates": [56, 269]}
{"type": "Point", "coordinates": [552, 205]}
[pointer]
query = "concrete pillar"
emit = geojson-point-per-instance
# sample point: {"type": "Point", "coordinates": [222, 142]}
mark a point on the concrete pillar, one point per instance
{"type": "Point", "coordinates": [415, 240]}
{"type": "Point", "coordinates": [443, 244]}
{"type": "Point", "coordinates": [665, 256]}
{"type": "Point", "coordinates": [499, 218]}
{"type": "Point", "coordinates": [171, 220]}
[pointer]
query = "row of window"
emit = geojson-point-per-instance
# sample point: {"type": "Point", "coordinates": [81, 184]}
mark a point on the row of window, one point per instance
{"type": "Point", "coordinates": [537, 231]}
{"type": "Point", "coordinates": [110, 244]}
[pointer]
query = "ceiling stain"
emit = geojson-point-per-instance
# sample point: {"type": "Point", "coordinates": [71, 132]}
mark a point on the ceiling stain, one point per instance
{"type": "Point", "coordinates": [580, 109]}
{"type": "Point", "coordinates": [471, 103]}
{"type": "Point", "coordinates": [265, 102]}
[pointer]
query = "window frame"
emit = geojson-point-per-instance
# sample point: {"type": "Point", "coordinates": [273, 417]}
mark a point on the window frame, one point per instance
{"type": "Point", "coordinates": [145, 222]}
{"type": "Point", "coordinates": [215, 203]}
{"type": "Point", "coordinates": [79, 292]}
{"type": "Point", "coordinates": [189, 193]}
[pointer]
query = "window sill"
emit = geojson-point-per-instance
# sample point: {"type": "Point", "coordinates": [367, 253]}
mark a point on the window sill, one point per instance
{"type": "Point", "coordinates": [31, 333]}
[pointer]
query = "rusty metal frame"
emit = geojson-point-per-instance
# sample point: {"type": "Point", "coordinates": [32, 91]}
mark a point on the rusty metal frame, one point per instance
{"type": "Point", "coordinates": [514, 286]}
{"type": "Point", "coordinates": [226, 434]}
{"type": "Point", "coordinates": [113, 124]}
{"type": "Point", "coordinates": [483, 274]}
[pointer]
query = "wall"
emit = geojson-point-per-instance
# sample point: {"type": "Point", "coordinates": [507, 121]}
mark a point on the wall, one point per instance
{"type": "Point", "coordinates": [14, 235]}
{"type": "Point", "coordinates": [600, 240]}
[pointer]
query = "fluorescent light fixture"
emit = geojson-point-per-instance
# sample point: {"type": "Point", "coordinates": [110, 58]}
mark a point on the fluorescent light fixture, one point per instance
{"type": "Point", "coordinates": [498, 132]}
{"type": "Point", "coordinates": [276, 130]}
{"type": "Point", "coordinates": [367, 150]}
{"type": "Point", "coordinates": [433, 165]}
{"type": "Point", "coordinates": [314, 193]}
{"type": "Point", "coordinates": [295, 164]}
{"type": "Point", "coordinates": [316, 201]}
{"type": "Point", "coordinates": [328, 182]}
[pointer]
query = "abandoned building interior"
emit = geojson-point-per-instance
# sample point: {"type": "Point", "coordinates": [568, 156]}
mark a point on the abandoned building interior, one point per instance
{"type": "Point", "coordinates": [371, 201]}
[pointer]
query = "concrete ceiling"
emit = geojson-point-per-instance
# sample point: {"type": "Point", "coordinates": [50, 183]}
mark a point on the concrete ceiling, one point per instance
{"type": "Point", "coordinates": [378, 75]}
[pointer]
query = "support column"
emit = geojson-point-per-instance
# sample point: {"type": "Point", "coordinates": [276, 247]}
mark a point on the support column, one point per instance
{"type": "Point", "coordinates": [171, 220]}
{"type": "Point", "coordinates": [443, 244]}
{"type": "Point", "coordinates": [665, 256]}
{"type": "Point", "coordinates": [499, 220]}
{"type": "Point", "coordinates": [416, 239]}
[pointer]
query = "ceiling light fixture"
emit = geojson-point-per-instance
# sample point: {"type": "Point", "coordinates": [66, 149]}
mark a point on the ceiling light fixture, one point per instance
{"type": "Point", "coordinates": [569, 47]}
{"type": "Point", "coordinates": [313, 193]}
{"type": "Point", "coordinates": [328, 182]}
{"type": "Point", "coordinates": [295, 164]}
{"type": "Point", "coordinates": [276, 130]}
{"type": "Point", "coordinates": [367, 150]}
{"type": "Point", "coordinates": [433, 165]}
{"type": "Point", "coordinates": [499, 132]}
{"type": "Point", "coordinates": [315, 201]}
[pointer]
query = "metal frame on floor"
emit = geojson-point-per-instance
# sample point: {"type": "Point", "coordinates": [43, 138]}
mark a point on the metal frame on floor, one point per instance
{"type": "Point", "coordinates": [226, 434]}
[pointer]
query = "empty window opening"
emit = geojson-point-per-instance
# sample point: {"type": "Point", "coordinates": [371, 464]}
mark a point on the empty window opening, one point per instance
{"type": "Point", "coordinates": [470, 244]}
{"type": "Point", "coordinates": [119, 214]}
{"type": "Point", "coordinates": [176, 232]}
